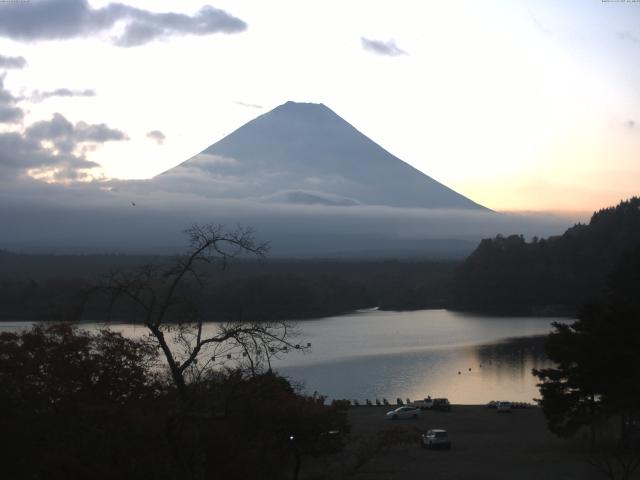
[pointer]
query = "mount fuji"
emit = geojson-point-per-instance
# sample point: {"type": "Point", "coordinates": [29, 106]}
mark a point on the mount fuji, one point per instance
{"type": "Point", "coordinates": [303, 153]}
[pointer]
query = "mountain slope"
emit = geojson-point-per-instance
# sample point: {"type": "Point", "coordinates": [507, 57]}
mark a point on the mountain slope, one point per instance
{"type": "Point", "coordinates": [304, 153]}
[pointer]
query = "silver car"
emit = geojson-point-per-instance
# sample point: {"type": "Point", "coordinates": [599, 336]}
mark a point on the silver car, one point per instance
{"type": "Point", "coordinates": [403, 412]}
{"type": "Point", "coordinates": [436, 438]}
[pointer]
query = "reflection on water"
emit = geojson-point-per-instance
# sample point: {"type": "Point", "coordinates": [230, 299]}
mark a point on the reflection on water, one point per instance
{"type": "Point", "coordinates": [513, 358]}
{"type": "Point", "coordinates": [466, 375]}
{"type": "Point", "coordinates": [470, 359]}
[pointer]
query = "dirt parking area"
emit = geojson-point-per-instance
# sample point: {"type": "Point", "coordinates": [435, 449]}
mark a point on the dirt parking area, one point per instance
{"type": "Point", "coordinates": [485, 445]}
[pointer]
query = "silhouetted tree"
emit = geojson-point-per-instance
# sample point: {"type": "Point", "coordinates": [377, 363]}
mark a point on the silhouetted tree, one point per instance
{"type": "Point", "coordinates": [72, 401]}
{"type": "Point", "coordinates": [166, 301]}
{"type": "Point", "coordinates": [597, 375]}
{"type": "Point", "coordinates": [260, 427]}
{"type": "Point", "coordinates": [58, 367]}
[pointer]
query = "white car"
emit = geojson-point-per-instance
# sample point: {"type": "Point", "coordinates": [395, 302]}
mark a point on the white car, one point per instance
{"type": "Point", "coordinates": [436, 438]}
{"type": "Point", "coordinates": [403, 412]}
{"type": "Point", "coordinates": [503, 407]}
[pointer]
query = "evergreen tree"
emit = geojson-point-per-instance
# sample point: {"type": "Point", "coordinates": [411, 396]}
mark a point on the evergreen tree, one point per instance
{"type": "Point", "coordinates": [598, 359]}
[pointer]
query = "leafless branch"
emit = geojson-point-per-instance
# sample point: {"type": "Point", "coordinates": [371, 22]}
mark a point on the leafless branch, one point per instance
{"type": "Point", "coordinates": [155, 292]}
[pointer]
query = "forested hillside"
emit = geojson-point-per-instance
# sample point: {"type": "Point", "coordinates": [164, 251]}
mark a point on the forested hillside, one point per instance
{"type": "Point", "coordinates": [548, 276]}
{"type": "Point", "coordinates": [52, 287]}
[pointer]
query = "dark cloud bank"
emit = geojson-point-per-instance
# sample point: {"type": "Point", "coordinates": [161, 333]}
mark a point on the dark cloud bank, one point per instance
{"type": "Point", "coordinates": [65, 19]}
{"type": "Point", "coordinates": [56, 147]}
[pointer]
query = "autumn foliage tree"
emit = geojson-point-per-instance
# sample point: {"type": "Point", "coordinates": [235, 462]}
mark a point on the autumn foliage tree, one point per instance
{"type": "Point", "coordinates": [76, 404]}
{"type": "Point", "coordinates": [71, 401]}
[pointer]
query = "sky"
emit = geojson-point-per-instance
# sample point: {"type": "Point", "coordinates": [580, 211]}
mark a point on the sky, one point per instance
{"type": "Point", "coordinates": [519, 105]}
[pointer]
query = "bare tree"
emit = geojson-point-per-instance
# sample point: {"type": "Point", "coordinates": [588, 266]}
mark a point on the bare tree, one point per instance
{"type": "Point", "coordinates": [165, 298]}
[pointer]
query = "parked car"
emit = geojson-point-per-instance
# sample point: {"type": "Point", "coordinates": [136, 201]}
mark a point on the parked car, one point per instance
{"type": "Point", "coordinates": [503, 407]}
{"type": "Point", "coordinates": [403, 412]}
{"type": "Point", "coordinates": [436, 438]}
{"type": "Point", "coordinates": [441, 404]}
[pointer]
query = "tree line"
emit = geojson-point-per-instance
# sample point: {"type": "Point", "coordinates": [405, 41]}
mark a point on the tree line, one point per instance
{"type": "Point", "coordinates": [271, 289]}
{"type": "Point", "coordinates": [508, 274]}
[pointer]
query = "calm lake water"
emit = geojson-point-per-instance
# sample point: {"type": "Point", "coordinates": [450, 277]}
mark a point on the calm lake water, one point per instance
{"type": "Point", "coordinates": [470, 359]}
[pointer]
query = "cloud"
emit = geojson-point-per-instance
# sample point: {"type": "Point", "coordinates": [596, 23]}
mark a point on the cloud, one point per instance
{"type": "Point", "coordinates": [249, 105]}
{"type": "Point", "coordinates": [53, 150]}
{"type": "Point", "coordinates": [157, 136]}
{"type": "Point", "coordinates": [65, 19]}
{"type": "Point", "coordinates": [12, 62]}
{"type": "Point", "coordinates": [208, 160]}
{"type": "Point", "coordinates": [305, 197]}
{"type": "Point", "coordinates": [21, 156]}
{"type": "Point", "coordinates": [9, 112]}
{"type": "Point", "coordinates": [64, 134]}
{"type": "Point", "coordinates": [39, 96]}
{"type": "Point", "coordinates": [382, 48]}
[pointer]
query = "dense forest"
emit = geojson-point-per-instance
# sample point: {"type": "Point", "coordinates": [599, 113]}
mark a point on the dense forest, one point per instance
{"type": "Point", "coordinates": [548, 276]}
{"type": "Point", "coordinates": [54, 287]}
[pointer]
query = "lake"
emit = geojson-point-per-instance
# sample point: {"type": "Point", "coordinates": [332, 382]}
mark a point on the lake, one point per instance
{"type": "Point", "coordinates": [470, 359]}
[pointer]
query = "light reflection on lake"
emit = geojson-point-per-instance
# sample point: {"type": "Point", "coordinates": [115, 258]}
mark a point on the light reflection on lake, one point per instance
{"type": "Point", "coordinates": [377, 354]}
{"type": "Point", "coordinates": [415, 354]}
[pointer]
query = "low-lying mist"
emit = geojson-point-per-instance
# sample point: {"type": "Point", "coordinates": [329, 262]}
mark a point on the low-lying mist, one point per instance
{"type": "Point", "coordinates": [104, 218]}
